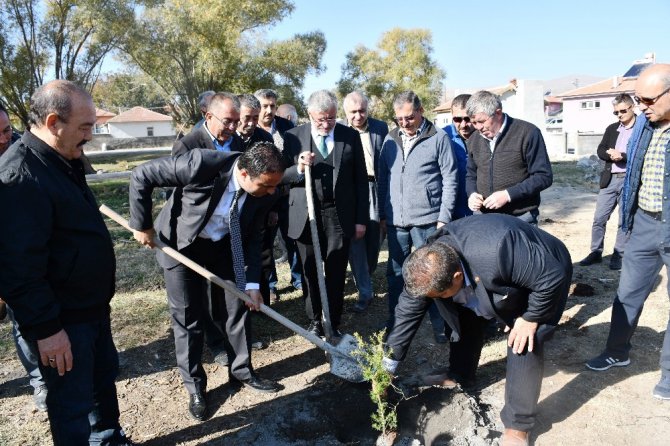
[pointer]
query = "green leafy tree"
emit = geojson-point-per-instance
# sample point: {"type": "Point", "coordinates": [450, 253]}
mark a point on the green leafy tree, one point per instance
{"type": "Point", "coordinates": [188, 47]}
{"type": "Point", "coordinates": [402, 61]}
{"type": "Point", "coordinates": [55, 39]}
{"type": "Point", "coordinates": [120, 91]}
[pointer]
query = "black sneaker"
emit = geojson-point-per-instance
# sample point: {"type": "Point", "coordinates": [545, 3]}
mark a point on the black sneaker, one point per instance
{"type": "Point", "coordinates": [615, 261]}
{"type": "Point", "coordinates": [593, 257]}
{"type": "Point", "coordinates": [605, 361]}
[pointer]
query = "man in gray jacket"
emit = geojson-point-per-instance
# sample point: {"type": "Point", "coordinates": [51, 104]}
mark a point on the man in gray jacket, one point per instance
{"type": "Point", "coordinates": [418, 183]}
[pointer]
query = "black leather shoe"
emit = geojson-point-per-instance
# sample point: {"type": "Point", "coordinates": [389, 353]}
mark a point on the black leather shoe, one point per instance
{"type": "Point", "coordinates": [258, 384]}
{"type": "Point", "coordinates": [615, 261]}
{"type": "Point", "coordinates": [197, 406]}
{"type": "Point", "coordinates": [593, 257]}
{"type": "Point", "coordinates": [316, 328]}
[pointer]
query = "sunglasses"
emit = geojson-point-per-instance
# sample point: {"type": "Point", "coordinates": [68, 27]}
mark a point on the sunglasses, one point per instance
{"type": "Point", "coordinates": [459, 119]}
{"type": "Point", "coordinates": [649, 101]}
{"type": "Point", "coordinates": [620, 112]}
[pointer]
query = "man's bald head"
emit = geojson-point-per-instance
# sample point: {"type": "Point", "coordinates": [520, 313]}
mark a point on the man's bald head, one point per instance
{"type": "Point", "coordinates": [652, 93]}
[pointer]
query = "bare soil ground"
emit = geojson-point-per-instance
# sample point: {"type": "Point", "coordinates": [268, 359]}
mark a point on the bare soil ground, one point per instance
{"type": "Point", "coordinates": [577, 406]}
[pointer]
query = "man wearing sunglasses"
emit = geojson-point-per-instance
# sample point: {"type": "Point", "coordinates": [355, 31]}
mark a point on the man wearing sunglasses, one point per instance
{"type": "Point", "coordinates": [459, 131]}
{"type": "Point", "coordinates": [612, 150]}
{"type": "Point", "coordinates": [644, 211]}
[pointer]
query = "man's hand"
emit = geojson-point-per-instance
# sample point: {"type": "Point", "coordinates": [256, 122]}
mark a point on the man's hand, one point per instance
{"type": "Point", "coordinates": [146, 237]}
{"type": "Point", "coordinates": [614, 155]}
{"type": "Point", "coordinates": [256, 299]}
{"type": "Point", "coordinates": [523, 333]}
{"type": "Point", "coordinates": [475, 201]}
{"type": "Point", "coordinates": [305, 159]}
{"type": "Point", "coordinates": [496, 200]}
{"type": "Point", "coordinates": [360, 232]}
{"type": "Point", "coordinates": [56, 352]}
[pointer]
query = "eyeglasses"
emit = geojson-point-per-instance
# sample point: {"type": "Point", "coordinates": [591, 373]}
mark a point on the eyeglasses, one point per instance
{"type": "Point", "coordinates": [409, 118]}
{"type": "Point", "coordinates": [621, 112]}
{"type": "Point", "coordinates": [649, 101]}
{"type": "Point", "coordinates": [229, 123]}
{"type": "Point", "coordinates": [324, 121]}
{"type": "Point", "coordinates": [460, 119]}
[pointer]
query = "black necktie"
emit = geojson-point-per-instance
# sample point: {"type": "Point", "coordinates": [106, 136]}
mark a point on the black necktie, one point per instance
{"type": "Point", "coordinates": [236, 243]}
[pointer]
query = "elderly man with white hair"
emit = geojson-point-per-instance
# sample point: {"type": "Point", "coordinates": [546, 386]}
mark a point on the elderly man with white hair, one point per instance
{"type": "Point", "coordinates": [340, 187]}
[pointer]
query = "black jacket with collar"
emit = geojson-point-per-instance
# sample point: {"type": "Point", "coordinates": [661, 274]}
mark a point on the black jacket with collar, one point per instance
{"type": "Point", "coordinates": [608, 142]}
{"type": "Point", "coordinates": [57, 264]}
{"type": "Point", "coordinates": [516, 270]}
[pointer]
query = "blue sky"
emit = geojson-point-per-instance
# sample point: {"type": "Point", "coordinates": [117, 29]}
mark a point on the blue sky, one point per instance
{"type": "Point", "coordinates": [486, 43]}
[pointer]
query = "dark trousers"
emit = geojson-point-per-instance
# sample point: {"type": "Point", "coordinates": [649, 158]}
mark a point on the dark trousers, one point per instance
{"type": "Point", "coordinates": [288, 244]}
{"type": "Point", "coordinates": [187, 298]}
{"type": "Point", "coordinates": [82, 404]}
{"type": "Point", "coordinates": [523, 379]}
{"type": "Point", "coordinates": [464, 355]}
{"type": "Point", "coordinates": [335, 255]}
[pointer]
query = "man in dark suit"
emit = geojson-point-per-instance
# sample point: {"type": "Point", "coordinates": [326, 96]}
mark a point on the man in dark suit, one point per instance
{"type": "Point", "coordinates": [218, 131]}
{"type": "Point", "coordinates": [340, 200]}
{"type": "Point", "coordinates": [364, 253]}
{"type": "Point", "coordinates": [484, 267]}
{"type": "Point", "coordinates": [277, 126]}
{"type": "Point", "coordinates": [200, 226]}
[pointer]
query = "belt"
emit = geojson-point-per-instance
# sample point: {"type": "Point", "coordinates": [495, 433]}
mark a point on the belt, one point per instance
{"type": "Point", "coordinates": [654, 215]}
{"type": "Point", "coordinates": [619, 174]}
{"type": "Point", "coordinates": [371, 179]}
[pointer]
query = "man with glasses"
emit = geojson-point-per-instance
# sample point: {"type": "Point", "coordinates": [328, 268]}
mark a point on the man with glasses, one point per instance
{"type": "Point", "coordinates": [644, 211]}
{"type": "Point", "coordinates": [340, 190]}
{"type": "Point", "coordinates": [508, 165]}
{"type": "Point", "coordinates": [612, 150]}
{"type": "Point", "coordinates": [418, 184]}
{"type": "Point", "coordinates": [218, 131]}
{"type": "Point", "coordinates": [459, 131]}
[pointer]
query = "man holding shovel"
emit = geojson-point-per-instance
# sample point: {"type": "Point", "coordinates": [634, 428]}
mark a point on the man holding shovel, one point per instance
{"type": "Point", "coordinates": [217, 223]}
{"type": "Point", "coordinates": [335, 156]}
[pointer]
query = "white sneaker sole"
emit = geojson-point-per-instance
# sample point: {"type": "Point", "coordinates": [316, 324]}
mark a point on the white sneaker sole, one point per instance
{"type": "Point", "coordinates": [615, 364]}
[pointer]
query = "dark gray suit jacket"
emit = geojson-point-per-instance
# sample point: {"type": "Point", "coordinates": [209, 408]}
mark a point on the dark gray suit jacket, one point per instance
{"type": "Point", "coordinates": [203, 176]}
{"type": "Point", "coordinates": [516, 269]}
{"type": "Point", "coordinates": [350, 184]}
{"type": "Point", "coordinates": [378, 131]}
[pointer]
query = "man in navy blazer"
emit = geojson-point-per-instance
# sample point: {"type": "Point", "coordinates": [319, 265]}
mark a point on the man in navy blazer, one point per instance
{"type": "Point", "coordinates": [491, 266]}
{"type": "Point", "coordinates": [196, 223]}
{"type": "Point", "coordinates": [364, 253]}
{"type": "Point", "coordinates": [340, 188]}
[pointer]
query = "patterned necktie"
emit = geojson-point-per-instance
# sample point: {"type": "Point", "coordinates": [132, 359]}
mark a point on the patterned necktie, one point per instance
{"type": "Point", "coordinates": [279, 141]}
{"type": "Point", "coordinates": [236, 243]}
{"type": "Point", "coordinates": [323, 148]}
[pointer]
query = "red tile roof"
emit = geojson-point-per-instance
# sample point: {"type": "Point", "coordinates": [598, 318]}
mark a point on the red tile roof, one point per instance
{"type": "Point", "coordinates": [140, 114]}
{"type": "Point", "coordinates": [100, 113]}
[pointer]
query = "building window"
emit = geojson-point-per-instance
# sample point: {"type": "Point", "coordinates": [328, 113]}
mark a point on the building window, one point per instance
{"type": "Point", "coordinates": [590, 105]}
{"type": "Point", "coordinates": [150, 131]}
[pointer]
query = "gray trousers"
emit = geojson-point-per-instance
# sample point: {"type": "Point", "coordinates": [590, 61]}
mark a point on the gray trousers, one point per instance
{"type": "Point", "coordinates": [608, 198]}
{"type": "Point", "coordinates": [364, 253]}
{"type": "Point", "coordinates": [641, 264]}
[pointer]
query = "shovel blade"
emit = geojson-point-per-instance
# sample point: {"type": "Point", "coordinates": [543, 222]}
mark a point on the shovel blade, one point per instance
{"type": "Point", "coordinates": [343, 364]}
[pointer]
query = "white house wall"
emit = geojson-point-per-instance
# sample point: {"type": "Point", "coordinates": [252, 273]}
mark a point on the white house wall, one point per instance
{"type": "Point", "coordinates": [139, 129]}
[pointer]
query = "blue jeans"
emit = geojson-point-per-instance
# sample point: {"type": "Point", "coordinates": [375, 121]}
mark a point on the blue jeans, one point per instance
{"type": "Point", "coordinates": [644, 258]}
{"type": "Point", "coordinates": [27, 352]}
{"type": "Point", "coordinates": [82, 404]}
{"type": "Point", "coordinates": [400, 242]}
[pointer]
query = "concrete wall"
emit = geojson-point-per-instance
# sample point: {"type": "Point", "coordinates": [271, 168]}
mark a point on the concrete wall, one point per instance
{"type": "Point", "coordinates": [112, 143]}
{"type": "Point", "coordinates": [139, 129]}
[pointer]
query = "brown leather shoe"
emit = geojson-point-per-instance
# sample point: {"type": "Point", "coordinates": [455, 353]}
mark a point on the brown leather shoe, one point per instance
{"type": "Point", "coordinates": [513, 437]}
